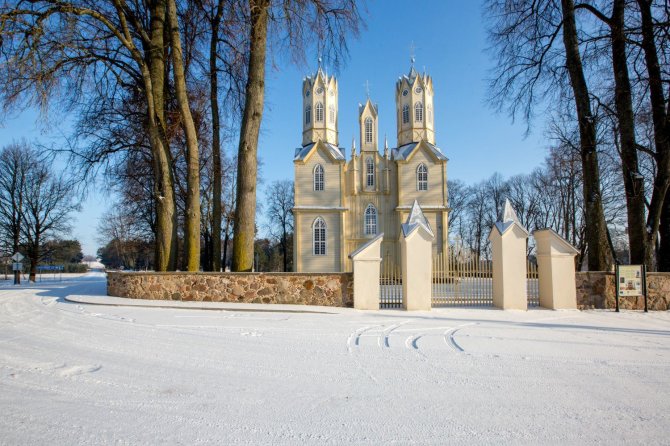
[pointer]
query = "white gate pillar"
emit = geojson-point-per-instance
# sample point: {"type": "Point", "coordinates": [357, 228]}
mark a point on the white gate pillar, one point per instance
{"type": "Point", "coordinates": [416, 249]}
{"type": "Point", "coordinates": [366, 260]}
{"type": "Point", "coordinates": [508, 246]}
{"type": "Point", "coordinates": [556, 269]}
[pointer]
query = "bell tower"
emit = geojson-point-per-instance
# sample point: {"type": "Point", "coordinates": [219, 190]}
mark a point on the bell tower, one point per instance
{"type": "Point", "coordinates": [414, 108]}
{"type": "Point", "coordinates": [319, 111]}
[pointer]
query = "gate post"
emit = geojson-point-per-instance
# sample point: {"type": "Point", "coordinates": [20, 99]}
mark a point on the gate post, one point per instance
{"type": "Point", "coordinates": [366, 260]}
{"type": "Point", "coordinates": [416, 249]}
{"type": "Point", "coordinates": [556, 269]}
{"type": "Point", "coordinates": [508, 246]}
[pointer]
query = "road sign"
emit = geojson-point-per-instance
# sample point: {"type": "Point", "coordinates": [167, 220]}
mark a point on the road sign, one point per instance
{"type": "Point", "coordinates": [17, 266]}
{"type": "Point", "coordinates": [17, 257]}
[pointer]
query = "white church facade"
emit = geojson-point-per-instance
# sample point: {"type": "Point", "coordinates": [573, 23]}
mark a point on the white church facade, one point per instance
{"type": "Point", "coordinates": [342, 203]}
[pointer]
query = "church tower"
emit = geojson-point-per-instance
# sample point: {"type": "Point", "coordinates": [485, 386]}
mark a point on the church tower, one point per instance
{"type": "Point", "coordinates": [367, 119]}
{"type": "Point", "coordinates": [414, 108]}
{"type": "Point", "coordinates": [319, 111]}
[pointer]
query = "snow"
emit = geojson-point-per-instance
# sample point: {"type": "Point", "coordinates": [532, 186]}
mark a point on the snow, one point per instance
{"type": "Point", "coordinates": [80, 373]}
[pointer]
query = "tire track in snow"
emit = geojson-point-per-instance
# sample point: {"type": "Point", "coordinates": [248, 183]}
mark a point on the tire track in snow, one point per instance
{"type": "Point", "coordinates": [355, 336]}
{"type": "Point", "coordinates": [450, 341]}
{"type": "Point", "coordinates": [411, 342]}
{"type": "Point", "coordinates": [387, 332]}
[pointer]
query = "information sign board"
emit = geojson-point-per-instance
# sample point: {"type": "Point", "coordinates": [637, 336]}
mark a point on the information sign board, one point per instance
{"type": "Point", "coordinates": [631, 280]}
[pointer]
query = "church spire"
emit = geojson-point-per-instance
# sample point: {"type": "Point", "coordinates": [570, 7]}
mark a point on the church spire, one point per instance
{"type": "Point", "coordinates": [367, 119]}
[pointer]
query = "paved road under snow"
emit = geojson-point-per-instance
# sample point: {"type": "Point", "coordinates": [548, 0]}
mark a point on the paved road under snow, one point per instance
{"type": "Point", "coordinates": [89, 374]}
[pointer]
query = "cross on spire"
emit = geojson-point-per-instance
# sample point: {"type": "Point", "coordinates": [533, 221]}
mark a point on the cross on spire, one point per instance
{"type": "Point", "coordinates": [412, 52]}
{"type": "Point", "coordinates": [367, 88]}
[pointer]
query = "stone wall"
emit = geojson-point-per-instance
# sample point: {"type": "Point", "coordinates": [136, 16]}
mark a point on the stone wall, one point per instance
{"type": "Point", "coordinates": [327, 289]}
{"type": "Point", "coordinates": [597, 290]}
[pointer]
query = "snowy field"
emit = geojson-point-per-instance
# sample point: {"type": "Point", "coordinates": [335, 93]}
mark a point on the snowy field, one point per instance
{"type": "Point", "coordinates": [75, 373]}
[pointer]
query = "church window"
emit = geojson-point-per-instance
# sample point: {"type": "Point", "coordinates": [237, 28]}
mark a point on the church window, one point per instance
{"type": "Point", "coordinates": [318, 115]}
{"type": "Point", "coordinates": [422, 177]}
{"type": "Point", "coordinates": [369, 172]}
{"type": "Point", "coordinates": [318, 177]}
{"type": "Point", "coordinates": [331, 112]}
{"type": "Point", "coordinates": [370, 220]}
{"type": "Point", "coordinates": [319, 237]}
{"type": "Point", "coordinates": [308, 114]}
{"type": "Point", "coordinates": [418, 112]}
{"type": "Point", "coordinates": [368, 130]}
{"type": "Point", "coordinates": [405, 114]}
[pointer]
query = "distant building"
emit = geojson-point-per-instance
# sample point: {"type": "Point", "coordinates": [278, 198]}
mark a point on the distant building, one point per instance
{"type": "Point", "coordinates": [341, 204]}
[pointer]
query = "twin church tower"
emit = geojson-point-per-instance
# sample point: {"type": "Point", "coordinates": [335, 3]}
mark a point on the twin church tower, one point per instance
{"type": "Point", "coordinates": [342, 203]}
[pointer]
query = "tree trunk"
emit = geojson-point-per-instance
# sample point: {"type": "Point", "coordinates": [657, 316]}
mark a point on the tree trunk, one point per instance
{"type": "Point", "coordinates": [245, 213]}
{"type": "Point", "coordinates": [284, 247]}
{"type": "Point", "coordinates": [216, 139]}
{"type": "Point", "coordinates": [154, 84]}
{"type": "Point", "coordinates": [599, 253]}
{"type": "Point", "coordinates": [192, 217]}
{"type": "Point", "coordinates": [661, 138]}
{"type": "Point", "coordinates": [640, 250]}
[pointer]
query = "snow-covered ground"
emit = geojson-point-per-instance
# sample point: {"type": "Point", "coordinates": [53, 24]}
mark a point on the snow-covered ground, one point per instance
{"type": "Point", "coordinates": [75, 373]}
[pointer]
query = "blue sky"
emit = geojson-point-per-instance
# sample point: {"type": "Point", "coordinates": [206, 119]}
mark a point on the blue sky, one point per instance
{"type": "Point", "coordinates": [450, 40]}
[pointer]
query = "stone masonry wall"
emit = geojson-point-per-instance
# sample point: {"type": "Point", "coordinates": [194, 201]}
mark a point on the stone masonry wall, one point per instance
{"type": "Point", "coordinates": [327, 289]}
{"type": "Point", "coordinates": [597, 290]}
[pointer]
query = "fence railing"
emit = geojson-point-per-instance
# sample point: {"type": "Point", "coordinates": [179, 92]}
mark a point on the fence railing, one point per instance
{"type": "Point", "coordinates": [462, 281]}
{"type": "Point", "coordinates": [390, 284]}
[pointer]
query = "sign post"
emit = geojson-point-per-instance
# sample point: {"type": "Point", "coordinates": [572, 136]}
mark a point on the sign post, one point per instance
{"type": "Point", "coordinates": [17, 266]}
{"type": "Point", "coordinates": [631, 280]}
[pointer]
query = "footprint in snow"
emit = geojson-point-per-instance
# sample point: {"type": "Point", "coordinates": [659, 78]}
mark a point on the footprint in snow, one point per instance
{"type": "Point", "coordinates": [251, 333]}
{"type": "Point", "coordinates": [79, 370]}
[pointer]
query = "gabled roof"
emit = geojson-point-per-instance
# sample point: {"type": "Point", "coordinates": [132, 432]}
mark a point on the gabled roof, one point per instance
{"type": "Point", "coordinates": [561, 244]}
{"type": "Point", "coordinates": [508, 219]}
{"type": "Point", "coordinates": [373, 108]}
{"type": "Point", "coordinates": [416, 220]}
{"type": "Point", "coordinates": [303, 153]}
{"type": "Point", "coordinates": [366, 245]}
{"type": "Point", "coordinates": [407, 151]}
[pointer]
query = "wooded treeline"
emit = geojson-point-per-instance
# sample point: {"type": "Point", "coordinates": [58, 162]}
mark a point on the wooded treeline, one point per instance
{"type": "Point", "coordinates": [36, 204]}
{"type": "Point", "coordinates": [160, 89]}
{"type": "Point", "coordinates": [600, 68]}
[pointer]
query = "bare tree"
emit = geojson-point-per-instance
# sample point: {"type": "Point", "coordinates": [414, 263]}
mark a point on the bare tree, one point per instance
{"type": "Point", "coordinates": [326, 21]}
{"type": "Point", "coordinates": [78, 49]}
{"type": "Point", "coordinates": [280, 201]}
{"type": "Point", "coordinates": [16, 162]}
{"type": "Point", "coordinates": [49, 201]}
{"type": "Point", "coordinates": [533, 67]}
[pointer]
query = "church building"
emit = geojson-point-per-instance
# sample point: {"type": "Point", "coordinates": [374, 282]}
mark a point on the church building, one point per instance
{"type": "Point", "coordinates": [341, 204]}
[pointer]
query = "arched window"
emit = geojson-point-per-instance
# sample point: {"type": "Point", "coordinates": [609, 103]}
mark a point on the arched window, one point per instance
{"type": "Point", "coordinates": [331, 113]}
{"type": "Point", "coordinates": [422, 177]}
{"type": "Point", "coordinates": [368, 130]}
{"type": "Point", "coordinates": [318, 177]}
{"type": "Point", "coordinates": [319, 237]}
{"type": "Point", "coordinates": [418, 112]}
{"type": "Point", "coordinates": [369, 172]}
{"type": "Point", "coordinates": [429, 114]}
{"type": "Point", "coordinates": [405, 114]}
{"type": "Point", "coordinates": [319, 112]}
{"type": "Point", "coordinates": [308, 114]}
{"type": "Point", "coordinates": [370, 220]}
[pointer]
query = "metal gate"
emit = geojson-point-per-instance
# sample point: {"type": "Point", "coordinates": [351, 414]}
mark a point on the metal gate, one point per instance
{"type": "Point", "coordinates": [466, 281]}
{"type": "Point", "coordinates": [390, 284]}
{"type": "Point", "coordinates": [462, 281]}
